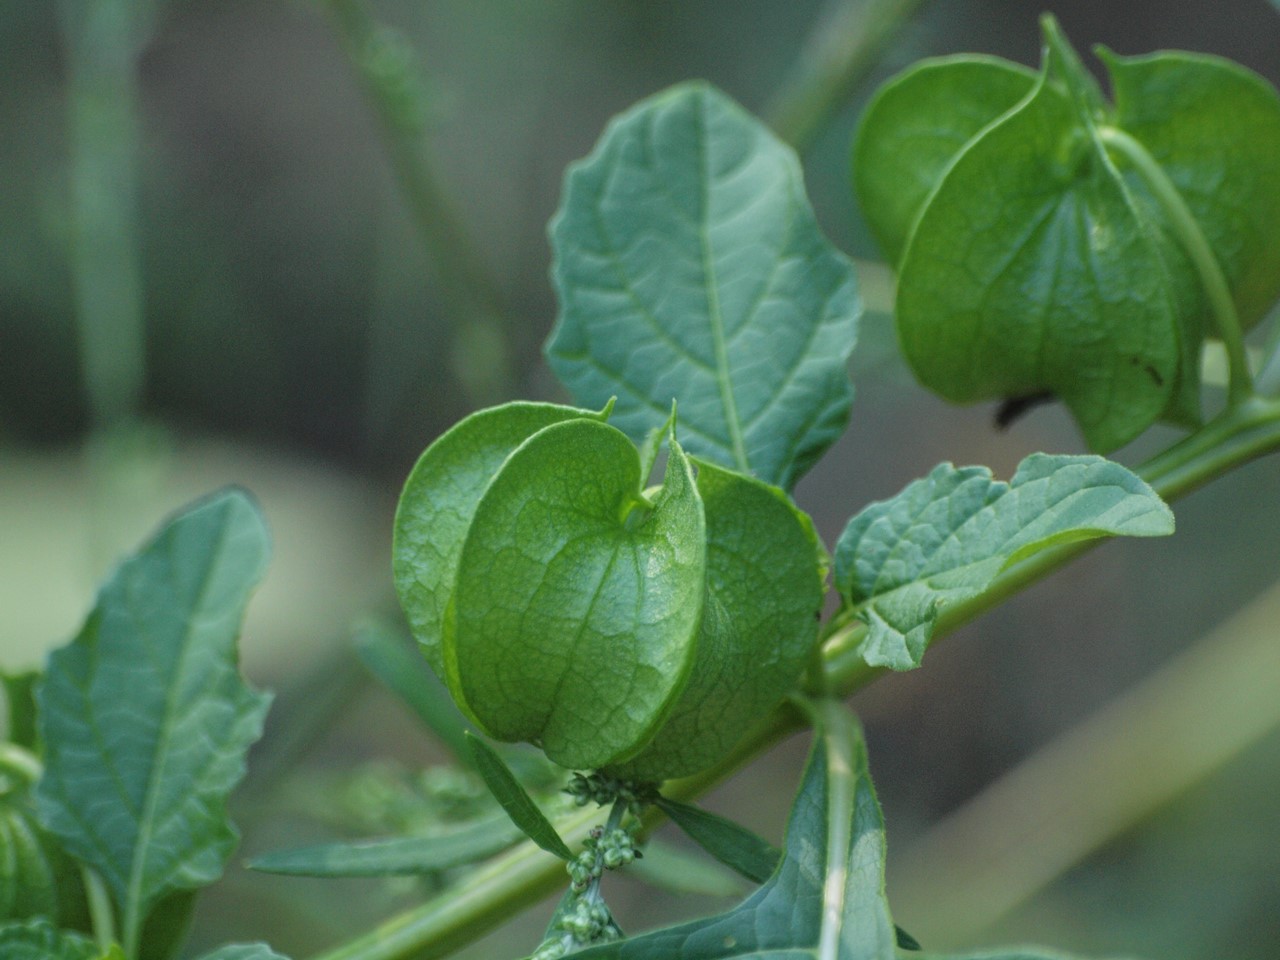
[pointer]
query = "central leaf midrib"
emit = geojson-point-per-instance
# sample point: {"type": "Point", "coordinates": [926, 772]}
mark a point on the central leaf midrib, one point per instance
{"type": "Point", "coordinates": [714, 317]}
{"type": "Point", "coordinates": [134, 915]}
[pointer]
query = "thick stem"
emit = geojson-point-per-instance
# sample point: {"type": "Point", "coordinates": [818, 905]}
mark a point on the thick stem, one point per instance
{"type": "Point", "coordinates": [1187, 229]}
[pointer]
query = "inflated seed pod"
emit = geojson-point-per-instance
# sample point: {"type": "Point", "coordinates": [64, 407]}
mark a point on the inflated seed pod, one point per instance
{"type": "Point", "coordinates": [565, 605]}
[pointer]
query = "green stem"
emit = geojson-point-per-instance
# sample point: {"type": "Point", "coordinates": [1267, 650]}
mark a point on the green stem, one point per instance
{"type": "Point", "coordinates": [19, 763]}
{"type": "Point", "coordinates": [385, 69]}
{"type": "Point", "coordinates": [489, 896]}
{"type": "Point", "coordinates": [1196, 246]}
{"type": "Point", "coordinates": [844, 46]}
{"type": "Point", "coordinates": [102, 39]}
{"type": "Point", "coordinates": [101, 913]}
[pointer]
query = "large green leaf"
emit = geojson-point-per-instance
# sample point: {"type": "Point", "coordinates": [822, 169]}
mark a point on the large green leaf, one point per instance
{"type": "Point", "coordinates": [945, 537]}
{"type": "Point", "coordinates": [144, 717]}
{"type": "Point", "coordinates": [439, 500]}
{"type": "Point", "coordinates": [916, 125]}
{"type": "Point", "coordinates": [394, 856]}
{"type": "Point", "coordinates": [1032, 269]}
{"type": "Point", "coordinates": [40, 940]}
{"type": "Point", "coordinates": [759, 623]}
{"type": "Point", "coordinates": [826, 900]}
{"type": "Point", "coordinates": [574, 620]}
{"type": "Point", "coordinates": [1214, 129]}
{"type": "Point", "coordinates": [689, 267]}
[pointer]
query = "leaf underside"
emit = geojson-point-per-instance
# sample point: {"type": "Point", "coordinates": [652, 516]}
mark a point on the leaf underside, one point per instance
{"type": "Point", "coordinates": [244, 951]}
{"type": "Point", "coordinates": [942, 540]}
{"type": "Point", "coordinates": [689, 267]}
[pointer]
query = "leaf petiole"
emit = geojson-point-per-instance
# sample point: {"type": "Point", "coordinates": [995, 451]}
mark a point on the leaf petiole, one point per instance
{"type": "Point", "coordinates": [1196, 246]}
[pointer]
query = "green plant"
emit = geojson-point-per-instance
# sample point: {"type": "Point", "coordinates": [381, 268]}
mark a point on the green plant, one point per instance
{"type": "Point", "coordinates": [653, 634]}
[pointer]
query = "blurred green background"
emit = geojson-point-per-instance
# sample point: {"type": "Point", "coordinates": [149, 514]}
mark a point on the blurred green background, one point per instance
{"type": "Point", "coordinates": [216, 266]}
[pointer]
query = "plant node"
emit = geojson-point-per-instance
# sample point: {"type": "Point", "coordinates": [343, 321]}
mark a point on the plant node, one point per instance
{"type": "Point", "coordinates": [604, 790]}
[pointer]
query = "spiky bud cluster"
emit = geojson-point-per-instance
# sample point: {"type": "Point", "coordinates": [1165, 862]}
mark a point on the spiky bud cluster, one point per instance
{"type": "Point", "coordinates": [604, 790]}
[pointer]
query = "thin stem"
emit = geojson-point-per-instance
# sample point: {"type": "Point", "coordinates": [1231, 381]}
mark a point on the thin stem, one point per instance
{"type": "Point", "coordinates": [102, 38]}
{"type": "Point", "coordinates": [843, 47]}
{"type": "Point", "coordinates": [101, 912]}
{"type": "Point", "coordinates": [462, 914]}
{"type": "Point", "coordinates": [1196, 246]}
{"type": "Point", "coordinates": [385, 68]}
{"type": "Point", "coordinates": [19, 762]}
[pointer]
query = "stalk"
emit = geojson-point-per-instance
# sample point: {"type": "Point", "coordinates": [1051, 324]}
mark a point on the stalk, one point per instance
{"type": "Point", "coordinates": [1192, 238]}
{"type": "Point", "coordinates": [385, 70]}
{"type": "Point", "coordinates": [842, 49]}
{"type": "Point", "coordinates": [102, 38]}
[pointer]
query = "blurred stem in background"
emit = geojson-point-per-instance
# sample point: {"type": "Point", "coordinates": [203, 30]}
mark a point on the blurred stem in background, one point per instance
{"type": "Point", "coordinates": [843, 47]}
{"type": "Point", "coordinates": [102, 40]}
{"type": "Point", "coordinates": [386, 67]}
{"type": "Point", "coordinates": [126, 458]}
{"type": "Point", "coordinates": [1122, 765]}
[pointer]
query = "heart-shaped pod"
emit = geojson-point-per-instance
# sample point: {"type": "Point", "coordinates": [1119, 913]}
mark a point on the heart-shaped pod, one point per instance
{"type": "Point", "coordinates": [563, 606]}
{"type": "Point", "coordinates": [440, 498]}
{"type": "Point", "coordinates": [765, 573]}
{"type": "Point", "coordinates": [575, 616]}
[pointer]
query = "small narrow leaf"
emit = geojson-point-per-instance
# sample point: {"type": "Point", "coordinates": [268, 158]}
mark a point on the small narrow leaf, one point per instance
{"type": "Point", "coordinates": [395, 856]}
{"type": "Point", "coordinates": [387, 656]}
{"type": "Point", "coordinates": [905, 940]}
{"type": "Point", "coordinates": [506, 789]}
{"type": "Point", "coordinates": [40, 940]}
{"type": "Point", "coordinates": [732, 844]}
{"type": "Point", "coordinates": [826, 899]}
{"type": "Point", "coordinates": [689, 267]}
{"type": "Point", "coordinates": [900, 562]}
{"type": "Point", "coordinates": [144, 718]}
{"type": "Point", "coordinates": [244, 951]}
